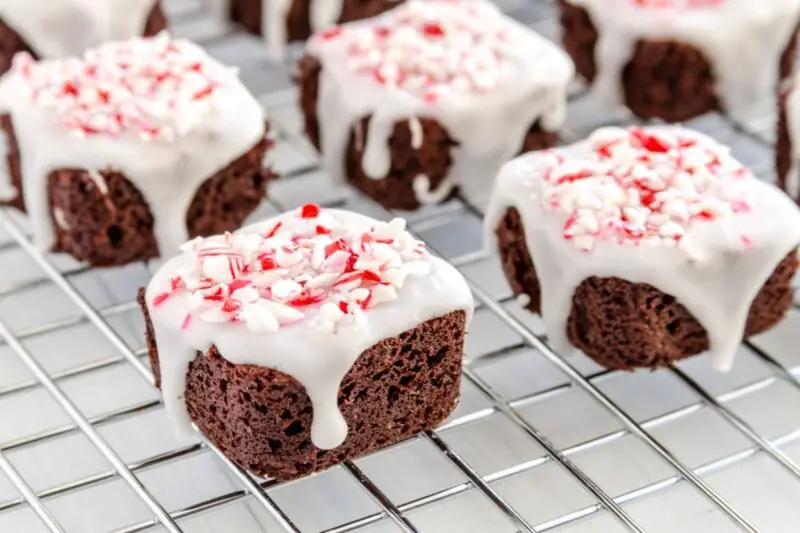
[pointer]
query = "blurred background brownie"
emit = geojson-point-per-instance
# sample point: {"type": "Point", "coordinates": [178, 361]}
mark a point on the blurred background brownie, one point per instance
{"type": "Point", "coordinates": [677, 59]}
{"type": "Point", "coordinates": [307, 339]}
{"type": "Point", "coordinates": [128, 152]}
{"type": "Point", "coordinates": [297, 20]}
{"type": "Point", "coordinates": [430, 98]}
{"type": "Point", "coordinates": [641, 247]}
{"type": "Point", "coordinates": [61, 28]}
{"type": "Point", "coordinates": [787, 141]}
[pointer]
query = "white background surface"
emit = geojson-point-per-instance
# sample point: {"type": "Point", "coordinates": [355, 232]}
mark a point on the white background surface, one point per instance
{"type": "Point", "coordinates": [77, 485]}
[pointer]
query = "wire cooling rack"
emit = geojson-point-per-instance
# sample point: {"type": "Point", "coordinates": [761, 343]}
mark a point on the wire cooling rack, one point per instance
{"type": "Point", "coordinates": [538, 443]}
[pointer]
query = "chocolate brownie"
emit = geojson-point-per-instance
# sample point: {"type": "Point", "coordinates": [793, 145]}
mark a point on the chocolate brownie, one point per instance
{"type": "Point", "coordinates": [643, 246]}
{"type": "Point", "coordinates": [452, 124]}
{"type": "Point", "coordinates": [433, 158]}
{"type": "Point", "coordinates": [114, 226]}
{"type": "Point", "coordinates": [624, 325]}
{"type": "Point", "coordinates": [174, 148]}
{"type": "Point", "coordinates": [11, 43]}
{"type": "Point", "coordinates": [357, 346]}
{"type": "Point", "coordinates": [261, 418]}
{"type": "Point", "coordinates": [671, 79]}
{"type": "Point", "coordinates": [298, 20]}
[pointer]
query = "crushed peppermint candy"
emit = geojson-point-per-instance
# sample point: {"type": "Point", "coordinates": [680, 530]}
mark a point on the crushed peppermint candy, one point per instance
{"type": "Point", "coordinates": [644, 186]}
{"type": "Point", "coordinates": [308, 260]}
{"type": "Point", "coordinates": [427, 48]}
{"type": "Point", "coordinates": [153, 87]}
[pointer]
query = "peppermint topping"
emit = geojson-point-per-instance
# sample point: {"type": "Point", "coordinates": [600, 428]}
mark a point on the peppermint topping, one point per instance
{"type": "Point", "coordinates": [640, 186]}
{"type": "Point", "coordinates": [309, 262]}
{"type": "Point", "coordinates": [427, 48]}
{"type": "Point", "coordinates": [155, 88]}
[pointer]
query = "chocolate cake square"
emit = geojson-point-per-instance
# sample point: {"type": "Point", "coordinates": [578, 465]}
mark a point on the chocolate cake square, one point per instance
{"type": "Point", "coordinates": [430, 98]}
{"type": "Point", "coordinates": [308, 339]}
{"type": "Point", "coordinates": [677, 59]}
{"type": "Point", "coordinates": [27, 28]}
{"type": "Point", "coordinates": [295, 20]}
{"type": "Point", "coordinates": [644, 246]}
{"type": "Point", "coordinates": [128, 152]}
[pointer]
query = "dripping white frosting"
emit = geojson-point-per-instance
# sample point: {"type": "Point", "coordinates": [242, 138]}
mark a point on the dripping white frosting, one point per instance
{"type": "Point", "coordinates": [481, 75]}
{"type": "Point", "coordinates": [64, 28]}
{"type": "Point", "coordinates": [258, 314]}
{"type": "Point", "coordinates": [712, 239]}
{"type": "Point", "coordinates": [742, 39]}
{"type": "Point", "coordinates": [274, 20]}
{"type": "Point", "coordinates": [167, 142]}
{"type": "Point", "coordinates": [793, 126]}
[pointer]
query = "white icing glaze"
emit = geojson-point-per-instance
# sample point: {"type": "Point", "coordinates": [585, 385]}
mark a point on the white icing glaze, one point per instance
{"type": "Point", "coordinates": [793, 126]}
{"type": "Point", "coordinates": [63, 28]}
{"type": "Point", "coordinates": [316, 344]}
{"type": "Point", "coordinates": [484, 77]}
{"type": "Point", "coordinates": [742, 39]}
{"type": "Point", "coordinates": [714, 268]}
{"type": "Point", "coordinates": [193, 139]}
{"type": "Point", "coordinates": [274, 13]}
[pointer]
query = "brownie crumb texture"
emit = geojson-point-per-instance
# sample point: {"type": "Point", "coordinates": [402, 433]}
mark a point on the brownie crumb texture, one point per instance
{"type": "Point", "coordinates": [261, 418]}
{"type": "Point", "coordinates": [624, 325]}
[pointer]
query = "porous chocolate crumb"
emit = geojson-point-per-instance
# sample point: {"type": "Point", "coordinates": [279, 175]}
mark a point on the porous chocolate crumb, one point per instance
{"type": "Point", "coordinates": [261, 418]}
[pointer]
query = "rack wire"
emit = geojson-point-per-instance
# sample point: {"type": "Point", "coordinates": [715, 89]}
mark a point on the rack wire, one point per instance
{"type": "Point", "coordinates": [539, 442]}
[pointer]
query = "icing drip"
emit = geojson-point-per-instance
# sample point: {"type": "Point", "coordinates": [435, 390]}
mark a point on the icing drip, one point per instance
{"type": "Point", "coordinates": [664, 206]}
{"type": "Point", "coordinates": [160, 111]}
{"type": "Point", "coordinates": [482, 76]}
{"type": "Point", "coordinates": [322, 14]}
{"type": "Point", "coordinates": [793, 126]}
{"type": "Point", "coordinates": [746, 75]}
{"type": "Point", "coordinates": [304, 293]}
{"type": "Point", "coordinates": [63, 28]}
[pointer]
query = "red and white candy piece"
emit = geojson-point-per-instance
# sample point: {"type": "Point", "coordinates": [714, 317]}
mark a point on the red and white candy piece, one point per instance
{"type": "Point", "coordinates": [310, 263]}
{"type": "Point", "coordinates": [641, 186]}
{"type": "Point", "coordinates": [155, 88]}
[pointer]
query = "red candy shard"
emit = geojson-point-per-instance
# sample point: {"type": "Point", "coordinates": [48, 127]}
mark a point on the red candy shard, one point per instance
{"type": "Point", "coordinates": [237, 284]}
{"type": "Point", "coordinates": [334, 247]}
{"type": "Point", "coordinates": [230, 306]}
{"type": "Point", "coordinates": [371, 276]}
{"type": "Point", "coordinates": [70, 89]}
{"type": "Point", "coordinates": [432, 29]}
{"type": "Point", "coordinates": [331, 33]}
{"type": "Point", "coordinates": [650, 142]}
{"type": "Point", "coordinates": [273, 231]}
{"type": "Point", "coordinates": [575, 176]}
{"type": "Point", "coordinates": [309, 211]}
{"type": "Point", "coordinates": [307, 299]}
{"type": "Point", "coordinates": [160, 298]}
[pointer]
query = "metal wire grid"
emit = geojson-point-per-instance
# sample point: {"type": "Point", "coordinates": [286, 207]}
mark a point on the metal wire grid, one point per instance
{"type": "Point", "coordinates": [585, 427]}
